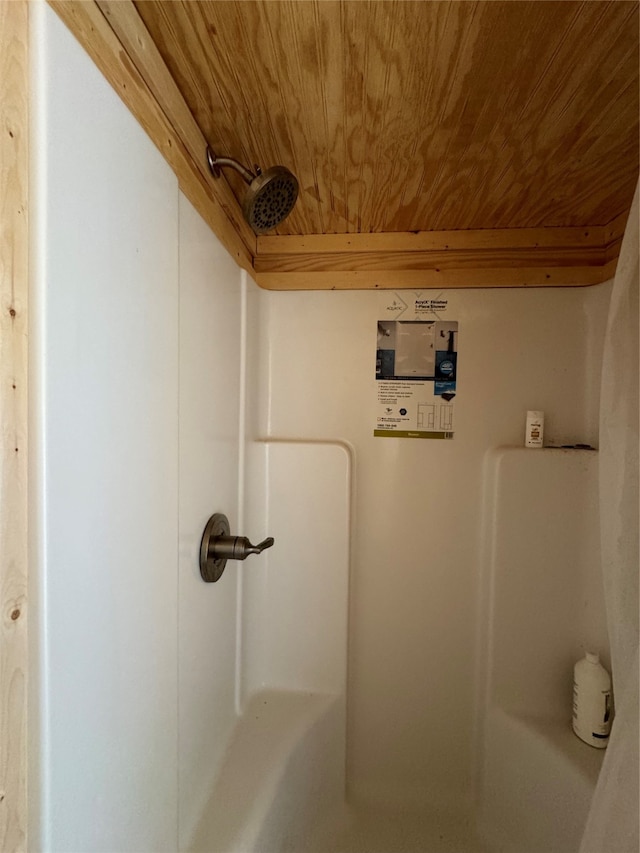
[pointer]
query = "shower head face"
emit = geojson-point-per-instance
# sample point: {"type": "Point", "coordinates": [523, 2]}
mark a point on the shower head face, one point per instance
{"type": "Point", "coordinates": [270, 199]}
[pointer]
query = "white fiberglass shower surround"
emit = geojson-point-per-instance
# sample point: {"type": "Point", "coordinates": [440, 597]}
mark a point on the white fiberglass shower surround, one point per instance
{"type": "Point", "coordinates": [405, 647]}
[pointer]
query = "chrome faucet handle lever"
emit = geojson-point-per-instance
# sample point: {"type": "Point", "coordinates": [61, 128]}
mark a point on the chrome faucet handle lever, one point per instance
{"type": "Point", "coordinates": [217, 546]}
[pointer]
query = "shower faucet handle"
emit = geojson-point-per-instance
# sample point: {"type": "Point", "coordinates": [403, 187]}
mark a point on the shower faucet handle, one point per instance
{"type": "Point", "coordinates": [217, 546]}
{"type": "Point", "coordinates": [236, 547]}
{"type": "Point", "coordinates": [253, 549]}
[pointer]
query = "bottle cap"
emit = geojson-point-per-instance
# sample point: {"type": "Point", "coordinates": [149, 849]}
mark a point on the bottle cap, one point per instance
{"type": "Point", "coordinates": [593, 658]}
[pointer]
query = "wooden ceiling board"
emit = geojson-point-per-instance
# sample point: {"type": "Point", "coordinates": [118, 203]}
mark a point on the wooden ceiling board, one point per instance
{"type": "Point", "coordinates": [418, 115]}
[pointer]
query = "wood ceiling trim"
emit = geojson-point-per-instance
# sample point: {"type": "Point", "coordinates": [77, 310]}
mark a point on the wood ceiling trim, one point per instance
{"type": "Point", "coordinates": [614, 230]}
{"type": "Point", "coordinates": [436, 260]}
{"type": "Point", "coordinates": [140, 77]}
{"type": "Point", "coordinates": [436, 279]}
{"type": "Point", "coordinates": [517, 257]}
{"type": "Point", "coordinates": [427, 276]}
{"type": "Point", "coordinates": [423, 241]}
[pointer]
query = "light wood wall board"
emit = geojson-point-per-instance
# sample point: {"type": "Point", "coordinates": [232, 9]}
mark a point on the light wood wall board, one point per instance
{"type": "Point", "coordinates": [403, 116]}
{"type": "Point", "coordinates": [213, 199]}
{"type": "Point", "coordinates": [13, 421]}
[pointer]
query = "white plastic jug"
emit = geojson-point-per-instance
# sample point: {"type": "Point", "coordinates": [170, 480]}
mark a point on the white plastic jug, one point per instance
{"type": "Point", "coordinates": [592, 701]}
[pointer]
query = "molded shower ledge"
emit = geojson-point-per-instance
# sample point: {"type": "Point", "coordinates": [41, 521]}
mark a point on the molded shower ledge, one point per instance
{"type": "Point", "coordinates": [541, 801]}
{"type": "Point", "coordinates": [283, 769]}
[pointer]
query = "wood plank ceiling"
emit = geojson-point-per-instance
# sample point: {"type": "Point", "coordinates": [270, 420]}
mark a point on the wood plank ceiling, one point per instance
{"type": "Point", "coordinates": [405, 116]}
{"type": "Point", "coordinates": [517, 119]}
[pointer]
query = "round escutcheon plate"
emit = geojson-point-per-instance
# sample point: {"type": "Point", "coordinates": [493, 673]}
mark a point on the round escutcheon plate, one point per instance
{"type": "Point", "coordinates": [211, 568]}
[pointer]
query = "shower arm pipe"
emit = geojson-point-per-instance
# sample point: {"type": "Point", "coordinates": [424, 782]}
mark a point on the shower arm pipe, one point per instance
{"type": "Point", "coordinates": [216, 163]}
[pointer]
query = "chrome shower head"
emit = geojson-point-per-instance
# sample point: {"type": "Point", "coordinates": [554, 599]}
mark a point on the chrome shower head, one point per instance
{"type": "Point", "coordinates": [271, 194]}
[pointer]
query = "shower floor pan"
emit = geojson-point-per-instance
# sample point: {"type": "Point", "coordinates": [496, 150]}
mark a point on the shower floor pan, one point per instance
{"type": "Point", "coordinates": [281, 789]}
{"type": "Point", "coordinates": [365, 829]}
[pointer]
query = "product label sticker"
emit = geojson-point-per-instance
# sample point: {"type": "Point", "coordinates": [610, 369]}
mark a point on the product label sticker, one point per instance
{"type": "Point", "coordinates": [417, 304]}
{"type": "Point", "coordinates": [416, 376]}
{"type": "Point", "coordinates": [429, 304]}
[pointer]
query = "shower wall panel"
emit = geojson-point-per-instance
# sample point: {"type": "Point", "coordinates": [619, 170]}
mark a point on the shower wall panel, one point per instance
{"type": "Point", "coordinates": [133, 379]}
{"type": "Point", "coordinates": [414, 583]}
{"type": "Point", "coordinates": [104, 487]}
{"type": "Point", "coordinates": [210, 357]}
{"type": "Point", "coordinates": [136, 371]}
